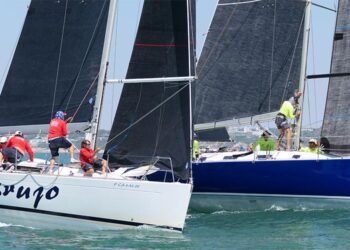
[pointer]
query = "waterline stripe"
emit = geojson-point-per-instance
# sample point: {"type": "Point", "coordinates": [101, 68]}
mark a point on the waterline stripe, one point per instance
{"type": "Point", "coordinates": [83, 217]}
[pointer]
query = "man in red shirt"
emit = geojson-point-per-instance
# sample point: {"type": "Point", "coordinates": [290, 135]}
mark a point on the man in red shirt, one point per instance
{"type": "Point", "coordinates": [15, 148]}
{"type": "Point", "coordinates": [89, 161]}
{"type": "Point", "coordinates": [57, 138]}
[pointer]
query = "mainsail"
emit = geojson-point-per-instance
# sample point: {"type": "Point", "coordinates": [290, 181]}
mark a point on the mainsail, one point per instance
{"type": "Point", "coordinates": [251, 59]}
{"type": "Point", "coordinates": [152, 122]}
{"type": "Point", "coordinates": [336, 122]}
{"type": "Point", "coordinates": [56, 62]}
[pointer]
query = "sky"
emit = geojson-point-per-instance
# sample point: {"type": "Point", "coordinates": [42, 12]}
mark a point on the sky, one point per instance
{"type": "Point", "coordinates": [12, 15]}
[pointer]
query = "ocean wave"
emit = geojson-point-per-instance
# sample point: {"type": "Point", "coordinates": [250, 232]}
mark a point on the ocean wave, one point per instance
{"type": "Point", "coordinates": [11, 225]}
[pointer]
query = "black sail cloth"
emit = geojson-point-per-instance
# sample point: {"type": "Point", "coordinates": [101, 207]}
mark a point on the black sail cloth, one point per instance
{"type": "Point", "coordinates": [152, 122]}
{"type": "Point", "coordinates": [336, 122]}
{"type": "Point", "coordinates": [31, 92]}
{"type": "Point", "coordinates": [251, 59]}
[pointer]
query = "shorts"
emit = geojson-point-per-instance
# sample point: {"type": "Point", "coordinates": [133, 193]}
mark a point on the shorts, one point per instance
{"type": "Point", "coordinates": [10, 154]}
{"type": "Point", "coordinates": [281, 122]}
{"type": "Point", "coordinates": [58, 143]}
{"type": "Point", "coordinates": [94, 165]}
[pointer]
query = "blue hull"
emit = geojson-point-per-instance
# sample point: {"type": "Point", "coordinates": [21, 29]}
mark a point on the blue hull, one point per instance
{"type": "Point", "coordinates": [320, 178]}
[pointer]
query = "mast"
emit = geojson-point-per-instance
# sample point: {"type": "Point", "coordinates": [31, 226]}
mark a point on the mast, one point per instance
{"type": "Point", "coordinates": [189, 23]}
{"type": "Point", "coordinates": [102, 74]}
{"type": "Point", "coordinates": [303, 68]}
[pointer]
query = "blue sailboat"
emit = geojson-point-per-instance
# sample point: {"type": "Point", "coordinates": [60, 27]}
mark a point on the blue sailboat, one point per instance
{"type": "Point", "coordinates": [253, 59]}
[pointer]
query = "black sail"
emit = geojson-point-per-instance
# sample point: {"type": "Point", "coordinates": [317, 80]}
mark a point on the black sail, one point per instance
{"type": "Point", "coordinates": [251, 59]}
{"type": "Point", "coordinates": [152, 122]}
{"type": "Point", "coordinates": [336, 122]}
{"type": "Point", "coordinates": [60, 40]}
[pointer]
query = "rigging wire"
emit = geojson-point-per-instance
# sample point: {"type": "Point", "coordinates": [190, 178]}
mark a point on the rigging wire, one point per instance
{"type": "Point", "coordinates": [86, 94]}
{"type": "Point", "coordinates": [59, 58]}
{"type": "Point", "coordinates": [86, 54]}
{"type": "Point", "coordinates": [147, 114]}
{"type": "Point", "coordinates": [293, 56]}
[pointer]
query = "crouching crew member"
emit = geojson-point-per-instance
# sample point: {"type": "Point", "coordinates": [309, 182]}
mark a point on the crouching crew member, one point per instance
{"type": "Point", "coordinates": [89, 161]}
{"type": "Point", "coordinates": [15, 149]}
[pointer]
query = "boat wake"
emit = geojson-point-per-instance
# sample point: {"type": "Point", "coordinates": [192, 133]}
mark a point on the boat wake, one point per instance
{"type": "Point", "coordinates": [11, 225]}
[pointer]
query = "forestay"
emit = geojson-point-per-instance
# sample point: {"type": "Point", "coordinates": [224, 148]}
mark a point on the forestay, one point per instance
{"type": "Point", "coordinates": [251, 59]}
{"type": "Point", "coordinates": [152, 122]}
{"type": "Point", "coordinates": [56, 62]}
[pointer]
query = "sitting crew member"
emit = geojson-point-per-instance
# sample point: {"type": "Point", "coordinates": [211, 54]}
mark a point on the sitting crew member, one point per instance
{"type": "Point", "coordinates": [312, 148]}
{"type": "Point", "coordinates": [3, 141]}
{"type": "Point", "coordinates": [287, 111]}
{"type": "Point", "coordinates": [15, 148]}
{"type": "Point", "coordinates": [265, 142]}
{"type": "Point", "coordinates": [195, 147]}
{"type": "Point", "coordinates": [89, 161]}
{"type": "Point", "coordinates": [57, 138]}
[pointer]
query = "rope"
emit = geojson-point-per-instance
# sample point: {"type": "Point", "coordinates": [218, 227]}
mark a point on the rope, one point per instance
{"type": "Point", "coordinates": [85, 56]}
{"type": "Point", "coordinates": [35, 181]}
{"type": "Point", "coordinates": [86, 94]}
{"type": "Point", "coordinates": [59, 59]}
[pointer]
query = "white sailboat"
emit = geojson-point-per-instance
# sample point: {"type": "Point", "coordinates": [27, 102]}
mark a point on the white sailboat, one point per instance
{"type": "Point", "coordinates": [67, 70]}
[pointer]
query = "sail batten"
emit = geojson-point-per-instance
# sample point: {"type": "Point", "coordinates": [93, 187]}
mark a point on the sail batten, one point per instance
{"type": "Point", "coordinates": [251, 59]}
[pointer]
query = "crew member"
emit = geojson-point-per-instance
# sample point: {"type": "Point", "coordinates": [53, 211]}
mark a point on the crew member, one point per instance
{"type": "Point", "coordinates": [15, 149]}
{"type": "Point", "coordinates": [312, 148]}
{"type": "Point", "coordinates": [287, 111]}
{"type": "Point", "coordinates": [89, 161]}
{"type": "Point", "coordinates": [57, 138]}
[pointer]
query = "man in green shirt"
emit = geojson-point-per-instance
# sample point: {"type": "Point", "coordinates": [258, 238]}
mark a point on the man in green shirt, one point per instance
{"type": "Point", "coordinates": [312, 148]}
{"type": "Point", "coordinates": [287, 111]}
{"type": "Point", "coordinates": [195, 147]}
{"type": "Point", "coordinates": [265, 142]}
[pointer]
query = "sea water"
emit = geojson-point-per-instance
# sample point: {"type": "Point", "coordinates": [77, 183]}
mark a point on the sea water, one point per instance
{"type": "Point", "coordinates": [275, 228]}
{"type": "Point", "coordinates": [272, 228]}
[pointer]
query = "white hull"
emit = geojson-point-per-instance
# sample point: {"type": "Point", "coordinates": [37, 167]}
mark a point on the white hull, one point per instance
{"type": "Point", "coordinates": [60, 201]}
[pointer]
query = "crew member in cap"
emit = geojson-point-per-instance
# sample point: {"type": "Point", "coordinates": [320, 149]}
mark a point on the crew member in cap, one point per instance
{"type": "Point", "coordinates": [3, 141]}
{"type": "Point", "coordinates": [57, 138]}
{"type": "Point", "coordinates": [312, 148]}
{"type": "Point", "coordinates": [265, 142]}
{"type": "Point", "coordinates": [287, 111]}
{"type": "Point", "coordinates": [15, 148]}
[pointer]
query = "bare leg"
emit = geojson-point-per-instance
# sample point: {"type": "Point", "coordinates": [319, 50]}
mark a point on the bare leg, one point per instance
{"type": "Point", "coordinates": [89, 172]}
{"type": "Point", "coordinates": [280, 138]}
{"type": "Point", "coordinates": [104, 166]}
{"type": "Point", "coordinates": [289, 138]}
{"type": "Point", "coordinates": [71, 151]}
{"type": "Point", "coordinates": [1, 159]}
{"type": "Point", "coordinates": [52, 162]}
